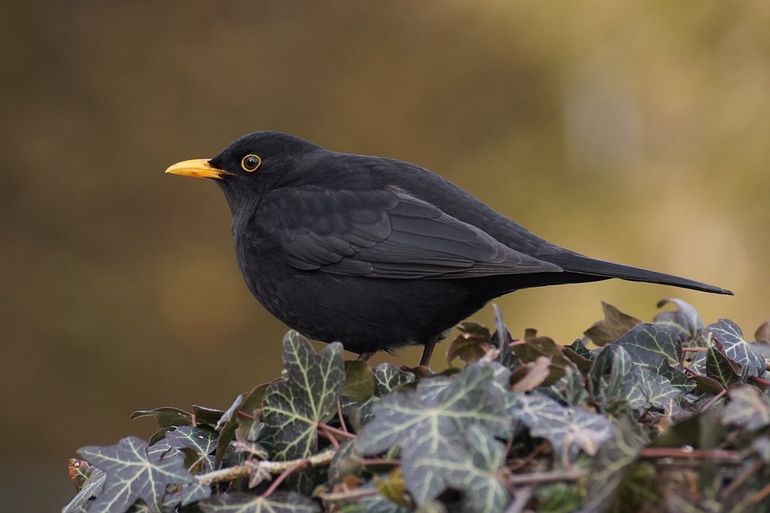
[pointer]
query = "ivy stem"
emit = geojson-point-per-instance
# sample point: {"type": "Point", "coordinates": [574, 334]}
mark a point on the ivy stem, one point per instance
{"type": "Point", "coordinates": [329, 436]}
{"type": "Point", "coordinates": [342, 417]}
{"type": "Point", "coordinates": [676, 452]}
{"type": "Point", "coordinates": [335, 431]}
{"type": "Point", "coordinates": [348, 495]}
{"type": "Point", "coordinates": [760, 381]}
{"type": "Point", "coordinates": [272, 467]}
{"type": "Point", "coordinates": [297, 465]}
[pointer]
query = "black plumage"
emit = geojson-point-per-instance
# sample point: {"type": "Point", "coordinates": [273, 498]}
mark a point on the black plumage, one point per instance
{"type": "Point", "coordinates": [378, 253]}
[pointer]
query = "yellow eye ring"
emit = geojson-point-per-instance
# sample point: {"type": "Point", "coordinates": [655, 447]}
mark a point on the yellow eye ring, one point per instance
{"type": "Point", "coordinates": [250, 162]}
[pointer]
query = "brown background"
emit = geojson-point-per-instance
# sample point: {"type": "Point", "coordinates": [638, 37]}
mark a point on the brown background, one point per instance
{"type": "Point", "coordinates": [631, 131]}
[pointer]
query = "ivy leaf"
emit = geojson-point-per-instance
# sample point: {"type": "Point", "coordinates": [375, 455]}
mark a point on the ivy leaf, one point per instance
{"type": "Point", "coordinates": [735, 347]}
{"type": "Point", "coordinates": [200, 441]}
{"type": "Point", "coordinates": [470, 344]}
{"type": "Point", "coordinates": [424, 421]}
{"type": "Point", "coordinates": [614, 325]}
{"type": "Point", "coordinates": [165, 416]}
{"type": "Point", "coordinates": [91, 488]}
{"type": "Point", "coordinates": [720, 367]}
{"type": "Point", "coordinates": [685, 318]}
{"type": "Point", "coordinates": [618, 380]}
{"type": "Point", "coordinates": [648, 343]}
{"type": "Point", "coordinates": [610, 466]}
{"type": "Point", "coordinates": [387, 378]}
{"type": "Point", "coordinates": [563, 426]}
{"type": "Point", "coordinates": [134, 472]}
{"type": "Point", "coordinates": [359, 381]}
{"type": "Point", "coordinates": [471, 465]}
{"type": "Point", "coordinates": [747, 408]}
{"type": "Point", "coordinates": [295, 406]}
{"type": "Point", "coordinates": [278, 502]}
{"type": "Point", "coordinates": [535, 347]}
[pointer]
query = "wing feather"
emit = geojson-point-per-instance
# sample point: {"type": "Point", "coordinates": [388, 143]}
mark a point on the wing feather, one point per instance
{"type": "Point", "coordinates": [387, 234]}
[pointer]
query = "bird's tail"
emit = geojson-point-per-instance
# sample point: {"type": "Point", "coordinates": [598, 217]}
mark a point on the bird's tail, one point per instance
{"type": "Point", "coordinates": [576, 263]}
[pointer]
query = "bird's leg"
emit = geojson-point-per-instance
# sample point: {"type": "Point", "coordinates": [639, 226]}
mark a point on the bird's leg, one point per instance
{"type": "Point", "coordinates": [364, 356]}
{"type": "Point", "coordinates": [427, 352]}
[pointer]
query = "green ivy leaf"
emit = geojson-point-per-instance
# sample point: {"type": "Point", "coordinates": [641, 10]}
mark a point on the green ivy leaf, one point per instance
{"type": "Point", "coordinates": [735, 347]}
{"type": "Point", "coordinates": [614, 325]}
{"type": "Point", "coordinates": [201, 441]}
{"type": "Point", "coordinates": [684, 318]}
{"type": "Point", "coordinates": [165, 416]}
{"type": "Point", "coordinates": [278, 502]}
{"type": "Point", "coordinates": [564, 427]}
{"type": "Point", "coordinates": [359, 381]}
{"type": "Point", "coordinates": [720, 367]}
{"type": "Point", "coordinates": [610, 465]}
{"type": "Point", "coordinates": [307, 396]}
{"type": "Point", "coordinates": [648, 343]}
{"type": "Point", "coordinates": [617, 379]}
{"type": "Point", "coordinates": [431, 419]}
{"type": "Point", "coordinates": [135, 472]}
{"type": "Point", "coordinates": [471, 464]}
{"type": "Point", "coordinates": [747, 408]}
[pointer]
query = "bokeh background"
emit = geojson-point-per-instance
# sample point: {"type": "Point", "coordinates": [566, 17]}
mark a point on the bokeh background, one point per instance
{"type": "Point", "coordinates": [633, 131]}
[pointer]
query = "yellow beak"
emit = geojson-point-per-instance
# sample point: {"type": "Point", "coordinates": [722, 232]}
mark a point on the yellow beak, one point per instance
{"type": "Point", "coordinates": [197, 168]}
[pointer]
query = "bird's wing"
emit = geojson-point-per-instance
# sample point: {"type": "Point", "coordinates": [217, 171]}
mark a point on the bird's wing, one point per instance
{"type": "Point", "coordinates": [385, 233]}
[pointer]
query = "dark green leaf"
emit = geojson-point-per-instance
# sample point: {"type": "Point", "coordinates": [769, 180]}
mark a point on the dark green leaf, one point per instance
{"type": "Point", "coordinates": [307, 396]}
{"type": "Point", "coordinates": [735, 347]}
{"type": "Point", "coordinates": [720, 367]}
{"type": "Point", "coordinates": [677, 378]}
{"type": "Point", "coordinates": [610, 466]}
{"type": "Point", "coordinates": [346, 461]}
{"type": "Point", "coordinates": [614, 325]}
{"type": "Point", "coordinates": [469, 464]}
{"type": "Point", "coordinates": [648, 343]}
{"type": "Point", "coordinates": [748, 408]}
{"type": "Point", "coordinates": [278, 502]}
{"type": "Point", "coordinates": [165, 416]}
{"type": "Point", "coordinates": [428, 420]}
{"type": "Point", "coordinates": [388, 377]}
{"type": "Point", "coordinates": [685, 318]}
{"type": "Point", "coordinates": [563, 426]}
{"type": "Point", "coordinates": [133, 473]}
{"type": "Point", "coordinates": [201, 441]}
{"type": "Point", "coordinates": [359, 381]}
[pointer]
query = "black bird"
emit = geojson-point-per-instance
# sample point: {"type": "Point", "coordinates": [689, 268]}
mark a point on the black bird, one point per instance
{"type": "Point", "coordinates": [378, 253]}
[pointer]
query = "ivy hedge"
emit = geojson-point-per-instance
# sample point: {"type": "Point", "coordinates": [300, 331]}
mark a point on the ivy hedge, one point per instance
{"type": "Point", "coordinates": [667, 416]}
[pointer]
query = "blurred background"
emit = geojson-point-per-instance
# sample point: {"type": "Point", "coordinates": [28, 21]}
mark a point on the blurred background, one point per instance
{"type": "Point", "coordinates": [632, 131]}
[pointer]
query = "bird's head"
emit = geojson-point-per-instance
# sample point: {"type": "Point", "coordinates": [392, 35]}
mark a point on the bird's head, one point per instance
{"type": "Point", "coordinates": [249, 166]}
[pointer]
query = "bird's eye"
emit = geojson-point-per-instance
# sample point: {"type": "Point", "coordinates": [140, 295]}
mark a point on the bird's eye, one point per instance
{"type": "Point", "coordinates": [250, 162]}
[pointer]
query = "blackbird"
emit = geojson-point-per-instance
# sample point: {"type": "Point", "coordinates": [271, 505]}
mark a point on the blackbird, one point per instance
{"type": "Point", "coordinates": [378, 253]}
